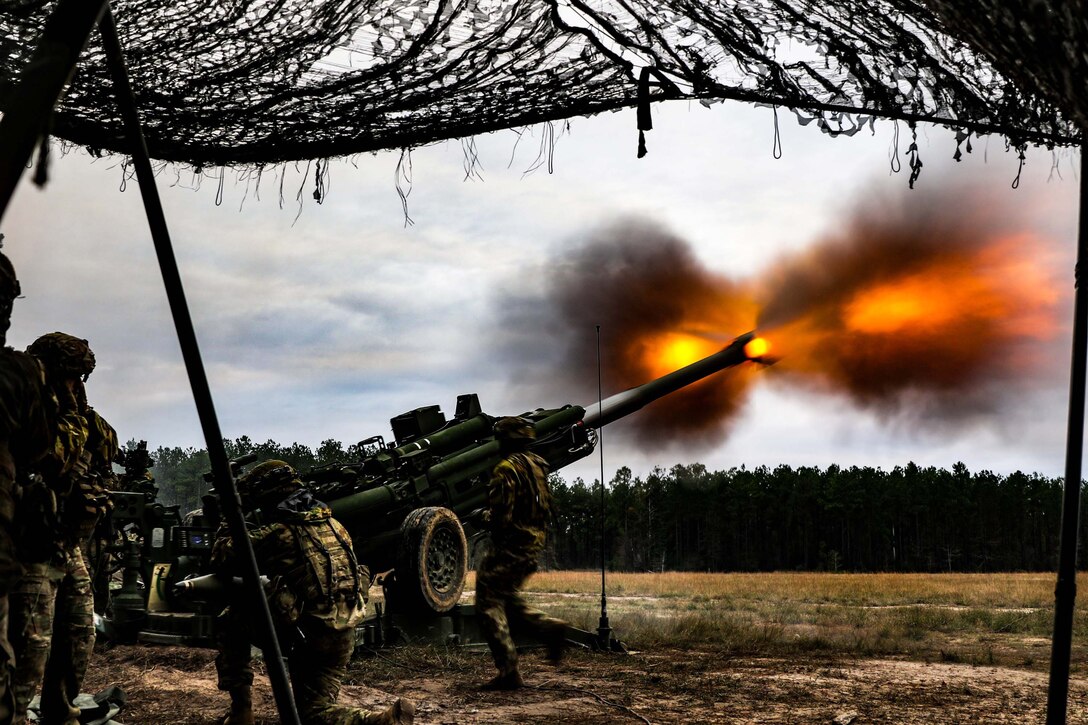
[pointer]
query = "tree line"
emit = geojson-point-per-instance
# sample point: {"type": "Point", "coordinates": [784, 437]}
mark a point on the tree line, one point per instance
{"type": "Point", "coordinates": [687, 517]}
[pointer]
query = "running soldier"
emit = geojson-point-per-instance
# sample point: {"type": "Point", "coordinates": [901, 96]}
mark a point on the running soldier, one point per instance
{"type": "Point", "coordinates": [52, 605]}
{"type": "Point", "coordinates": [24, 438]}
{"type": "Point", "coordinates": [520, 507]}
{"type": "Point", "coordinates": [318, 596]}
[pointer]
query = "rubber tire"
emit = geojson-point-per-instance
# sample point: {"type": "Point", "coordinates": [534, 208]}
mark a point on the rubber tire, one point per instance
{"type": "Point", "coordinates": [433, 560]}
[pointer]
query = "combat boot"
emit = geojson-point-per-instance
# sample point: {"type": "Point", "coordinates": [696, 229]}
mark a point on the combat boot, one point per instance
{"type": "Point", "coordinates": [509, 681]}
{"type": "Point", "coordinates": [401, 712]}
{"type": "Point", "coordinates": [241, 708]}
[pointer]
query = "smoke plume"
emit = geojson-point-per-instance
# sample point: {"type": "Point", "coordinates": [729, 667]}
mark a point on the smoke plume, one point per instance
{"type": "Point", "coordinates": [931, 311]}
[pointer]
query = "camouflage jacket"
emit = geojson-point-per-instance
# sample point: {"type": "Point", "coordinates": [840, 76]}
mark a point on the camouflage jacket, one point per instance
{"type": "Point", "coordinates": [26, 408]}
{"type": "Point", "coordinates": [520, 503]}
{"type": "Point", "coordinates": [92, 479]}
{"type": "Point", "coordinates": [307, 555]}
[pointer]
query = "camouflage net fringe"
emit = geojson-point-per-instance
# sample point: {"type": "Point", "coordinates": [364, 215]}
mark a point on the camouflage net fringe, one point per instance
{"type": "Point", "coordinates": [258, 82]}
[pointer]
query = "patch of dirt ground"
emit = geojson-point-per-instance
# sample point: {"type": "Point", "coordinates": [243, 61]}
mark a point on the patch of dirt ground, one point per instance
{"type": "Point", "coordinates": [701, 685]}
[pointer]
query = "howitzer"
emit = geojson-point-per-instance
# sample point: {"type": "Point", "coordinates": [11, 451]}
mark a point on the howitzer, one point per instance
{"type": "Point", "coordinates": [409, 503]}
{"type": "Point", "coordinates": [149, 546]}
{"type": "Point", "coordinates": [407, 506]}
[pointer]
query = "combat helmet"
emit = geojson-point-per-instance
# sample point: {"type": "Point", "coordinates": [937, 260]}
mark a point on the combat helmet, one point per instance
{"type": "Point", "coordinates": [63, 355]}
{"type": "Point", "coordinates": [515, 429]}
{"type": "Point", "coordinates": [268, 478]}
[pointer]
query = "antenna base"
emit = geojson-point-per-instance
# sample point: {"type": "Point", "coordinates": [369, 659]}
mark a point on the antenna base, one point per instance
{"type": "Point", "coordinates": [604, 633]}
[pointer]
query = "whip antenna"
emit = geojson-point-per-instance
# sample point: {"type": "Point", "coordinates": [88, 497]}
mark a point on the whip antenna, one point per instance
{"type": "Point", "coordinates": [604, 632]}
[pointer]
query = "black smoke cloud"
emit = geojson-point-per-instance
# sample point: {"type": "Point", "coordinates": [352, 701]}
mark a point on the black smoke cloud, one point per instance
{"type": "Point", "coordinates": [637, 281]}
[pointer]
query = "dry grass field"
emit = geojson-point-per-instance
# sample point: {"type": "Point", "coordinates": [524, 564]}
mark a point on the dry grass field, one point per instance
{"type": "Point", "coordinates": [708, 648]}
{"type": "Point", "coordinates": [979, 618]}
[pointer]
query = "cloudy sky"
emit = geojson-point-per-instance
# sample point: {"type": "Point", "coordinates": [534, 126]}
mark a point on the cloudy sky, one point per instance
{"type": "Point", "coordinates": [325, 322]}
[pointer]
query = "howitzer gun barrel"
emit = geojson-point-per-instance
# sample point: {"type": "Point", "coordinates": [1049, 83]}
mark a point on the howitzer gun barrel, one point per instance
{"type": "Point", "coordinates": [622, 404]}
{"type": "Point", "coordinates": [448, 439]}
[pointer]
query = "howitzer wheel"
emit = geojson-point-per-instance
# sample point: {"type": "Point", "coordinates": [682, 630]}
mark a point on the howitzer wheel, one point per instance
{"type": "Point", "coordinates": [433, 560]}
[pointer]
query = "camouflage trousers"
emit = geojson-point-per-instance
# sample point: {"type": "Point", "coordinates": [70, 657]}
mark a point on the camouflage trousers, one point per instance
{"type": "Point", "coordinates": [501, 609]}
{"type": "Point", "coordinates": [317, 663]}
{"type": "Point", "coordinates": [51, 627]}
{"type": "Point", "coordinates": [7, 666]}
{"type": "Point", "coordinates": [10, 571]}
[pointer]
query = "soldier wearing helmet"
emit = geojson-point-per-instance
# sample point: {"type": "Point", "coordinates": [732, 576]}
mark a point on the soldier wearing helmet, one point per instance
{"type": "Point", "coordinates": [52, 605]}
{"type": "Point", "coordinates": [519, 510]}
{"type": "Point", "coordinates": [318, 596]}
{"type": "Point", "coordinates": [24, 438]}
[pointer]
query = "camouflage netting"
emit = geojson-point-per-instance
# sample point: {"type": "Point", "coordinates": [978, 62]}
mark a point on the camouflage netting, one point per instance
{"type": "Point", "coordinates": [254, 82]}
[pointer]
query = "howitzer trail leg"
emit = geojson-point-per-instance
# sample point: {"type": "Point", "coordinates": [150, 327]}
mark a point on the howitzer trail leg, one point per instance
{"type": "Point", "coordinates": [73, 641]}
{"type": "Point", "coordinates": [30, 620]}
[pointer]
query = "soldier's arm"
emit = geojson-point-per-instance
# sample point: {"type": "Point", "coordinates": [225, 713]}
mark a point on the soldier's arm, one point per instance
{"type": "Point", "coordinates": [272, 543]}
{"type": "Point", "coordinates": [222, 556]}
{"type": "Point", "coordinates": [69, 442]}
{"type": "Point", "coordinates": [500, 491]}
{"type": "Point", "coordinates": [101, 441]}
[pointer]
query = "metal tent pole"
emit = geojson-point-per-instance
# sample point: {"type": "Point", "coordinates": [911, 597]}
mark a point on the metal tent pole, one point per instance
{"type": "Point", "coordinates": [44, 77]}
{"type": "Point", "coordinates": [604, 630]}
{"type": "Point", "coordinates": [1065, 592]}
{"type": "Point", "coordinates": [224, 480]}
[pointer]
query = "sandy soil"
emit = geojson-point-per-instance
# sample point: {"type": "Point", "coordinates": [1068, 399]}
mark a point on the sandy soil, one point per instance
{"type": "Point", "coordinates": [177, 686]}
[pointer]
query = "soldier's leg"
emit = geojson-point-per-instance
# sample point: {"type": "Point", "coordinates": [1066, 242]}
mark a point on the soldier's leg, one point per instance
{"type": "Point", "coordinates": [318, 665]}
{"type": "Point", "coordinates": [30, 630]}
{"type": "Point", "coordinates": [528, 620]}
{"type": "Point", "coordinates": [549, 630]}
{"type": "Point", "coordinates": [493, 592]}
{"type": "Point", "coordinates": [7, 666]}
{"type": "Point", "coordinates": [73, 641]}
{"type": "Point", "coordinates": [10, 570]}
{"type": "Point", "coordinates": [233, 664]}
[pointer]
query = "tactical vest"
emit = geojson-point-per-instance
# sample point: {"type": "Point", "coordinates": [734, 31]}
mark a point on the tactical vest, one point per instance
{"type": "Point", "coordinates": [327, 571]}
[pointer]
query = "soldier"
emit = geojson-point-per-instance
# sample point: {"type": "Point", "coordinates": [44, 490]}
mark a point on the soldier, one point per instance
{"type": "Point", "coordinates": [520, 507]}
{"type": "Point", "coordinates": [52, 605]}
{"type": "Point", "coordinates": [24, 438]}
{"type": "Point", "coordinates": [318, 596]}
{"type": "Point", "coordinates": [137, 477]}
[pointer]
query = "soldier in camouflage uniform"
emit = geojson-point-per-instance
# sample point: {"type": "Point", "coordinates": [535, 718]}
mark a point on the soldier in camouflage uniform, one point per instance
{"type": "Point", "coordinates": [318, 595]}
{"type": "Point", "coordinates": [25, 409]}
{"type": "Point", "coordinates": [52, 605]}
{"type": "Point", "coordinates": [520, 507]}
